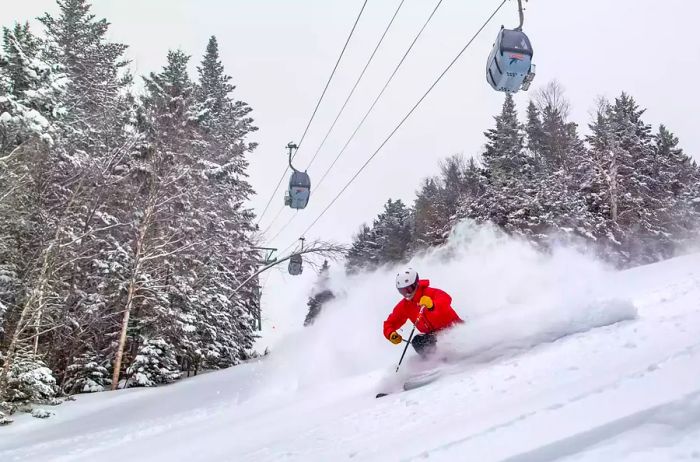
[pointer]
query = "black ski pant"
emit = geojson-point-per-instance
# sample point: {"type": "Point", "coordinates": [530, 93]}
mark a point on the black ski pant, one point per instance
{"type": "Point", "coordinates": [424, 344]}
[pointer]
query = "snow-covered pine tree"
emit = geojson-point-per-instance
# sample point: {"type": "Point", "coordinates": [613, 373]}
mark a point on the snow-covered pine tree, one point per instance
{"type": "Point", "coordinates": [154, 364]}
{"type": "Point", "coordinates": [30, 381]}
{"type": "Point", "coordinates": [429, 216]}
{"type": "Point", "coordinates": [599, 185]}
{"type": "Point", "coordinates": [387, 241]}
{"type": "Point", "coordinates": [32, 90]}
{"type": "Point", "coordinates": [87, 374]}
{"type": "Point", "coordinates": [474, 188]}
{"type": "Point", "coordinates": [508, 176]}
{"type": "Point", "coordinates": [561, 167]}
{"type": "Point", "coordinates": [678, 176]}
{"type": "Point", "coordinates": [226, 124]}
{"type": "Point", "coordinates": [320, 295]}
{"type": "Point", "coordinates": [161, 222]}
{"type": "Point", "coordinates": [623, 157]}
{"type": "Point", "coordinates": [504, 157]}
{"type": "Point", "coordinates": [20, 46]}
{"type": "Point", "coordinates": [440, 200]}
{"type": "Point", "coordinates": [363, 254]}
{"type": "Point", "coordinates": [392, 232]}
{"type": "Point", "coordinates": [534, 133]}
{"type": "Point", "coordinates": [96, 69]}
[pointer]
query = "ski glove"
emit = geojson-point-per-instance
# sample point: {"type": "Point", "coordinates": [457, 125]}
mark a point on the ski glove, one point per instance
{"type": "Point", "coordinates": [395, 338]}
{"type": "Point", "coordinates": [426, 302]}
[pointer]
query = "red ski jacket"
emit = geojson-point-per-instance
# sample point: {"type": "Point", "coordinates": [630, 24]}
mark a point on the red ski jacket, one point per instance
{"type": "Point", "coordinates": [440, 317]}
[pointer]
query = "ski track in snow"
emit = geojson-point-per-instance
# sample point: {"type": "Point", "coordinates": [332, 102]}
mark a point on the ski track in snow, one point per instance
{"type": "Point", "coordinates": [618, 388]}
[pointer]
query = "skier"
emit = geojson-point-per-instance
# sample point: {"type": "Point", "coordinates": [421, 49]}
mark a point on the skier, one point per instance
{"type": "Point", "coordinates": [428, 308]}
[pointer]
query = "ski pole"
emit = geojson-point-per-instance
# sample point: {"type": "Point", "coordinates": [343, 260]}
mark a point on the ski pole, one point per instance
{"type": "Point", "coordinates": [408, 342]}
{"type": "Point", "coordinates": [410, 336]}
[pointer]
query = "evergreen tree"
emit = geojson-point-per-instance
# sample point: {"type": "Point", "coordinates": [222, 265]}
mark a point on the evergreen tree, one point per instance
{"type": "Point", "coordinates": [163, 219]}
{"type": "Point", "coordinates": [364, 251]}
{"type": "Point", "coordinates": [87, 374]}
{"type": "Point", "coordinates": [440, 203]}
{"type": "Point", "coordinates": [504, 157]}
{"type": "Point", "coordinates": [320, 295]}
{"type": "Point", "coordinates": [623, 160]}
{"type": "Point", "coordinates": [678, 176]}
{"type": "Point", "coordinates": [226, 124]}
{"type": "Point", "coordinates": [429, 216]}
{"type": "Point", "coordinates": [535, 133]}
{"type": "Point", "coordinates": [562, 167]}
{"type": "Point", "coordinates": [153, 365]}
{"type": "Point", "coordinates": [392, 232]}
{"type": "Point", "coordinates": [33, 91]}
{"type": "Point", "coordinates": [509, 186]}
{"type": "Point", "coordinates": [20, 48]}
{"type": "Point", "coordinates": [387, 241]}
{"type": "Point", "coordinates": [30, 381]}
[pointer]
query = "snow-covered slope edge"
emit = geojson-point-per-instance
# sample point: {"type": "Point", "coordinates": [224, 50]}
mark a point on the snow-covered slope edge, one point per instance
{"type": "Point", "coordinates": [561, 359]}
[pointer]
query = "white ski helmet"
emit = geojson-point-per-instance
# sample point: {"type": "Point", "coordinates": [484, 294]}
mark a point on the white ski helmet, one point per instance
{"type": "Point", "coordinates": [407, 282]}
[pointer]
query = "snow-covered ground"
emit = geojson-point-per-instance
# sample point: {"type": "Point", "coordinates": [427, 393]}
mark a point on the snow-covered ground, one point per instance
{"type": "Point", "coordinates": [561, 359]}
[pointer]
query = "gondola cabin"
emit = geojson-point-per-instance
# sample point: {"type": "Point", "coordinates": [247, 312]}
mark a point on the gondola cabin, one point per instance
{"type": "Point", "coordinates": [295, 265]}
{"type": "Point", "coordinates": [509, 67]}
{"type": "Point", "coordinates": [297, 196]}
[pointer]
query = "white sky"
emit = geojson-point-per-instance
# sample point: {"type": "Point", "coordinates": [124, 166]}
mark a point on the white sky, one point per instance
{"type": "Point", "coordinates": [280, 53]}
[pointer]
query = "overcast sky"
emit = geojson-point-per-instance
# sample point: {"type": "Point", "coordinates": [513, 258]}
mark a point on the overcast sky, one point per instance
{"type": "Point", "coordinates": [280, 53]}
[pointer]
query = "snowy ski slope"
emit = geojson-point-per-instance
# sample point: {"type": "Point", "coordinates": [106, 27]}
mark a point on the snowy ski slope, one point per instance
{"type": "Point", "coordinates": [570, 362]}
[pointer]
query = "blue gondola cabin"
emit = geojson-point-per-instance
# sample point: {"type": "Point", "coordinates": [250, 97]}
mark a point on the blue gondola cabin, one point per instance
{"type": "Point", "coordinates": [297, 196]}
{"type": "Point", "coordinates": [509, 67]}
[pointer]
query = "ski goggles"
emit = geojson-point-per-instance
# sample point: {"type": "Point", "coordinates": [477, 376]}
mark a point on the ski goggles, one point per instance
{"type": "Point", "coordinates": [408, 291]}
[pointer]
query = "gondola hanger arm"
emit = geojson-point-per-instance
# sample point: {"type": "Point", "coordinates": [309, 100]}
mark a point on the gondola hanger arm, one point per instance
{"type": "Point", "coordinates": [521, 14]}
{"type": "Point", "coordinates": [292, 148]}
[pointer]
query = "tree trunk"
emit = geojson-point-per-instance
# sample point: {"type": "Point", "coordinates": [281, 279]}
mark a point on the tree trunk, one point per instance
{"type": "Point", "coordinates": [129, 301]}
{"type": "Point", "coordinates": [613, 189]}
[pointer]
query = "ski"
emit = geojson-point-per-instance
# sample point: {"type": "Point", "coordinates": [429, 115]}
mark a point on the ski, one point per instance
{"type": "Point", "coordinates": [416, 382]}
{"type": "Point", "coordinates": [422, 380]}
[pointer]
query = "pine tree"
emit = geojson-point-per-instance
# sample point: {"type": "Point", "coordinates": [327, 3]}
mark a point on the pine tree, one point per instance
{"type": "Point", "coordinates": [387, 241]}
{"type": "Point", "coordinates": [20, 47]}
{"type": "Point", "coordinates": [392, 232]}
{"type": "Point", "coordinates": [30, 381]}
{"type": "Point", "coordinates": [535, 133]}
{"type": "Point", "coordinates": [562, 167]}
{"type": "Point", "coordinates": [162, 221]}
{"type": "Point", "coordinates": [154, 364]}
{"type": "Point", "coordinates": [227, 124]}
{"type": "Point", "coordinates": [429, 216]}
{"type": "Point", "coordinates": [509, 186]}
{"type": "Point", "coordinates": [33, 91]}
{"type": "Point", "coordinates": [320, 295]}
{"type": "Point", "coordinates": [504, 157]}
{"type": "Point", "coordinates": [440, 203]}
{"type": "Point", "coordinates": [87, 374]}
{"type": "Point", "coordinates": [623, 159]}
{"type": "Point", "coordinates": [363, 254]}
{"type": "Point", "coordinates": [677, 176]}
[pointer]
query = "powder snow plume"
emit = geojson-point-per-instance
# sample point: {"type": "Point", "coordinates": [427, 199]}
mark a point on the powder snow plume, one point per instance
{"type": "Point", "coordinates": [511, 296]}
